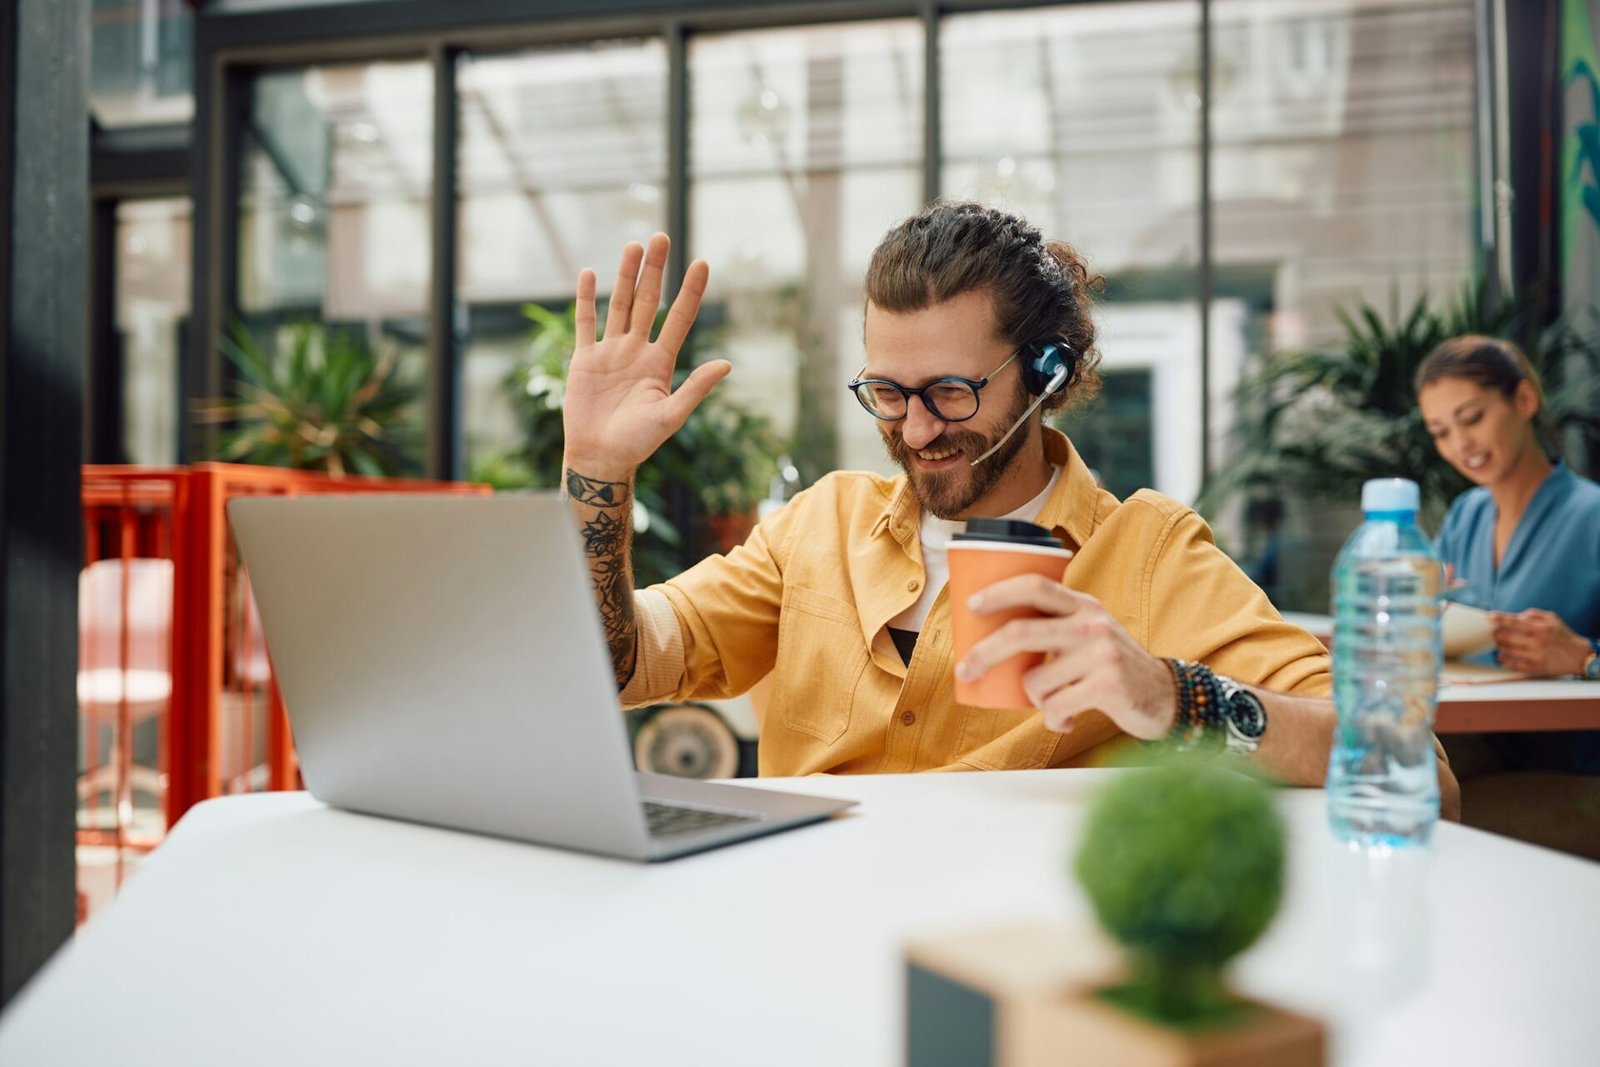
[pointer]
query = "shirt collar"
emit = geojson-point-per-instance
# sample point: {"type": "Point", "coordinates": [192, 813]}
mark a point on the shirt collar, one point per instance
{"type": "Point", "coordinates": [1069, 510]}
{"type": "Point", "coordinates": [1072, 508]}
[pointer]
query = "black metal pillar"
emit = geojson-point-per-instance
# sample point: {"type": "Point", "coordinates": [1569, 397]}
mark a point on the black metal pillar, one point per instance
{"type": "Point", "coordinates": [446, 452]}
{"type": "Point", "coordinates": [678, 217]}
{"type": "Point", "coordinates": [221, 114]}
{"type": "Point", "coordinates": [103, 437]}
{"type": "Point", "coordinates": [1489, 146]}
{"type": "Point", "coordinates": [44, 179]}
{"type": "Point", "coordinates": [1534, 93]}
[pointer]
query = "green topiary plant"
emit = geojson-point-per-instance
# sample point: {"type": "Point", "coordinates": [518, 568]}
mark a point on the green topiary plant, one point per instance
{"type": "Point", "coordinates": [1184, 867]}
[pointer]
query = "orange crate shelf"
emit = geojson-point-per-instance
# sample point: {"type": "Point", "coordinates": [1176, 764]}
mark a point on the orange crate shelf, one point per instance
{"type": "Point", "coordinates": [216, 656]}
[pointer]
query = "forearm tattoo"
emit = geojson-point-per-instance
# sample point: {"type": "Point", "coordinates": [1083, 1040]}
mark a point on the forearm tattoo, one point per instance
{"type": "Point", "coordinates": [601, 494]}
{"type": "Point", "coordinates": [607, 541]}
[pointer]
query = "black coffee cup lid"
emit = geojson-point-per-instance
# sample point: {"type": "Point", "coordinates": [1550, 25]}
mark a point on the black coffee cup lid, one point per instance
{"type": "Point", "coordinates": [1008, 531]}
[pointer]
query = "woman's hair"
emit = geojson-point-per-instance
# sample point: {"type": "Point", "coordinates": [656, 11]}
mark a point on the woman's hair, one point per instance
{"type": "Point", "coordinates": [1487, 361]}
{"type": "Point", "coordinates": [1492, 363]}
{"type": "Point", "coordinates": [1042, 290]}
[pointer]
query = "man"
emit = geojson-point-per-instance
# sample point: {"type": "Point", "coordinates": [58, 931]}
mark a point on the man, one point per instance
{"type": "Point", "coordinates": [973, 323]}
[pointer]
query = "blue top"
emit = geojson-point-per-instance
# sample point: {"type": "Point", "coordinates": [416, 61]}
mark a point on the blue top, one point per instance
{"type": "Point", "coordinates": [1552, 562]}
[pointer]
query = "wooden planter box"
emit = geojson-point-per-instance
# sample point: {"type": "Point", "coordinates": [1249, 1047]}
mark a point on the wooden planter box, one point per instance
{"type": "Point", "coordinates": [1025, 997]}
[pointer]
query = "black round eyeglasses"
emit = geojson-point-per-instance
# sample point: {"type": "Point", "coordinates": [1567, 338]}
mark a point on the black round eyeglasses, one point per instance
{"type": "Point", "coordinates": [948, 399]}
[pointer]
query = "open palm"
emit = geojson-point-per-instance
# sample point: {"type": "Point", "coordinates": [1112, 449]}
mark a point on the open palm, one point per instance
{"type": "Point", "coordinates": [620, 405]}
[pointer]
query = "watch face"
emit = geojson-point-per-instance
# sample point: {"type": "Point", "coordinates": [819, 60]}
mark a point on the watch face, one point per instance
{"type": "Point", "coordinates": [1247, 714]}
{"type": "Point", "coordinates": [1591, 669]}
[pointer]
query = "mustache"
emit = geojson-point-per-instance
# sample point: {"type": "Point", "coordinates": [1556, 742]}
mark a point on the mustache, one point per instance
{"type": "Point", "coordinates": [971, 443]}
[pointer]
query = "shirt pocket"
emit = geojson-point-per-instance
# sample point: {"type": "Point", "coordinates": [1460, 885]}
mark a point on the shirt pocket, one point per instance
{"type": "Point", "coordinates": [1005, 739]}
{"type": "Point", "coordinates": [821, 657]}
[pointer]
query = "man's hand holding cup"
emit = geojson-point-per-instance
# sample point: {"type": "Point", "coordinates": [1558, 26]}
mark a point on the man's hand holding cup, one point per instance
{"type": "Point", "coordinates": [1026, 640]}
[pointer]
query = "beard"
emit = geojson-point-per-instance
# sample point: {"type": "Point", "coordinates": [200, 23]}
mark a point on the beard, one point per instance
{"type": "Point", "coordinates": [947, 494]}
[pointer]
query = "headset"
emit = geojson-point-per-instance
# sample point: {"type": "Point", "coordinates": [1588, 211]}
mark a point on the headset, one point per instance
{"type": "Point", "coordinates": [1047, 368]}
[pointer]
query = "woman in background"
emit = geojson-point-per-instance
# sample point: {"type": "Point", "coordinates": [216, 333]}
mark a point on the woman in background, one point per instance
{"type": "Point", "coordinates": [1526, 541]}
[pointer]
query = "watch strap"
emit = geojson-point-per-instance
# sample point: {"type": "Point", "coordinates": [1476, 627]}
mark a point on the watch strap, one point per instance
{"type": "Point", "coordinates": [1237, 700]}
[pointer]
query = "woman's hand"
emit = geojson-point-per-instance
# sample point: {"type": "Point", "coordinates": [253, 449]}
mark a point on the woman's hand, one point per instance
{"type": "Point", "coordinates": [619, 405]}
{"type": "Point", "coordinates": [1094, 663]}
{"type": "Point", "coordinates": [1537, 642]}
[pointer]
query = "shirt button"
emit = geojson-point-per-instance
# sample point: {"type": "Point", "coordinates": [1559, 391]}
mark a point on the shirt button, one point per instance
{"type": "Point", "coordinates": [908, 717]}
{"type": "Point", "coordinates": [911, 586]}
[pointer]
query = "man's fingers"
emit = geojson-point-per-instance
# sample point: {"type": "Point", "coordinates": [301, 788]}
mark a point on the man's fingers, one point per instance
{"type": "Point", "coordinates": [1058, 710]}
{"type": "Point", "coordinates": [1048, 634]}
{"type": "Point", "coordinates": [695, 388]}
{"type": "Point", "coordinates": [675, 330]}
{"type": "Point", "coordinates": [647, 298]}
{"type": "Point", "coordinates": [583, 313]}
{"type": "Point", "coordinates": [1044, 681]}
{"type": "Point", "coordinates": [621, 302]}
{"type": "Point", "coordinates": [1029, 591]}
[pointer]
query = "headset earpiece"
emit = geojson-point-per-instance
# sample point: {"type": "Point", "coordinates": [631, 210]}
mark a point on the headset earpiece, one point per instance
{"type": "Point", "coordinates": [1048, 368]}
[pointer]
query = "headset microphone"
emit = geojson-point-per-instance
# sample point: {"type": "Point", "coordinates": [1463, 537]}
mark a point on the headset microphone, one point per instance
{"type": "Point", "coordinates": [1063, 371]}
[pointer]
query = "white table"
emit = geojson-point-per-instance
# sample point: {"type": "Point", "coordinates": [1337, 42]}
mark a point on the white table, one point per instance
{"type": "Point", "coordinates": [1532, 704]}
{"type": "Point", "coordinates": [271, 930]}
{"type": "Point", "coordinates": [1493, 707]}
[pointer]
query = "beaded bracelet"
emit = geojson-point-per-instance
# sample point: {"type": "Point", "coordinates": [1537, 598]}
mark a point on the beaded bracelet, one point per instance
{"type": "Point", "coordinates": [1199, 714]}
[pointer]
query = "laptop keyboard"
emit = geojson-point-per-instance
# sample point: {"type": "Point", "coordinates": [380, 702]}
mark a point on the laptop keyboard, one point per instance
{"type": "Point", "coordinates": [667, 820]}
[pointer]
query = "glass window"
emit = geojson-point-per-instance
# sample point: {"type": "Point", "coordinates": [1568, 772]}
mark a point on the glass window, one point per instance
{"type": "Point", "coordinates": [152, 314]}
{"type": "Point", "coordinates": [335, 193]}
{"type": "Point", "coordinates": [1343, 153]}
{"type": "Point", "coordinates": [1343, 173]}
{"type": "Point", "coordinates": [562, 161]}
{"type": "Point", "coordinates": [1113, 432]}
{"type": "Point", "coordinates": [141, 66]}
{"type": "Point", "coordinates": [1084, 120]}
{"type": "Point", "coordinates": [805, 146]}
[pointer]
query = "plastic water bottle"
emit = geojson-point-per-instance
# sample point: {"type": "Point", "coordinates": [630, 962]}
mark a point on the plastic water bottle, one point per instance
{"type": "Point", "coordinates": [1383, 784]}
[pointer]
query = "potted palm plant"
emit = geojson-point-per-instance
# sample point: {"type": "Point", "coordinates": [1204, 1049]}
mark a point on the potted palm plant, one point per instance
{"type": "Point", "coordinates": [1326, 420]}
{"type": "Point", "coordinates": [323, 399]}
{"type": "Point", "coordinates": [1311, 427]}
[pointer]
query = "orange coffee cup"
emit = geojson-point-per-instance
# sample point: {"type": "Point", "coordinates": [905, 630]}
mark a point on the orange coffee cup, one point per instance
{"type": "Point", "coordinates": [989, 551]}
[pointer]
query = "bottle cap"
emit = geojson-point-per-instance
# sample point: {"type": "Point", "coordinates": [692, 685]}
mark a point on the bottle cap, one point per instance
{"type": "Point", "coordinates": [1010, 531]}
{"type": "Point", "coordinates": [1390, 494]}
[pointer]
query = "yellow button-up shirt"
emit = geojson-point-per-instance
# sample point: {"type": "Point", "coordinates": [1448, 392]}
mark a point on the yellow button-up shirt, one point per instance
{"type": "Point", "coordinates": [807, 599]}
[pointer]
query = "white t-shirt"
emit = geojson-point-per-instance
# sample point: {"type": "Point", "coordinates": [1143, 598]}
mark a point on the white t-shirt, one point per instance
{"type": "Point", "coordinates": [936, 534]}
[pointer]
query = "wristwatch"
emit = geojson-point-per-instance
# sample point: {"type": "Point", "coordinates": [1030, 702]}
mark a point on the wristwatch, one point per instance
{"type": "Point", "coordinates": [1591, 666]}
{"type": "Point", "coordinates": [1244, 717]}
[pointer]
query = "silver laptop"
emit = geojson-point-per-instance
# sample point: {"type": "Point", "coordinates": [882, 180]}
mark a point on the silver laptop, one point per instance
{"type": "Point", "coordinates": [442, 661]}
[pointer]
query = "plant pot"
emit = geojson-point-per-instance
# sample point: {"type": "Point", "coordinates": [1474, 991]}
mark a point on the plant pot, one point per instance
{"type": "Point", "coordinates": [1027, 997]}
